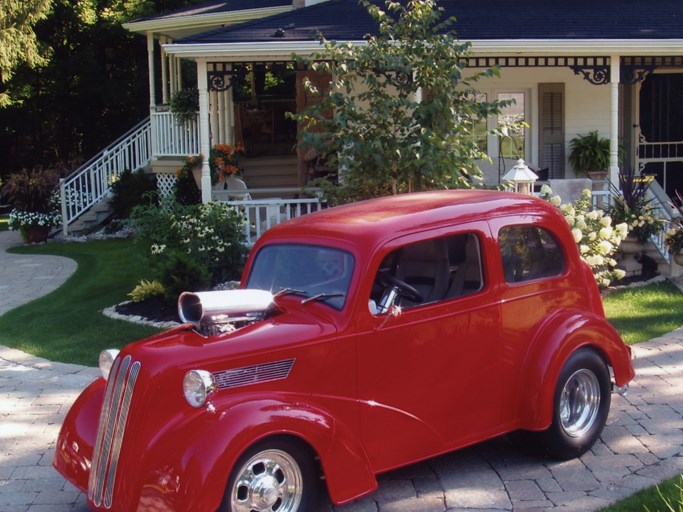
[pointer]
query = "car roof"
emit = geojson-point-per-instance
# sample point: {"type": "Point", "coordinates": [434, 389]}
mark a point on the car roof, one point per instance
{"type": "Point", "coordinates": [370, 222]}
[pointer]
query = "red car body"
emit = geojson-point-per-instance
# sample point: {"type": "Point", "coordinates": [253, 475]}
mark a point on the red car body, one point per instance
{"type": "Point", "coordinates": [365, 391]}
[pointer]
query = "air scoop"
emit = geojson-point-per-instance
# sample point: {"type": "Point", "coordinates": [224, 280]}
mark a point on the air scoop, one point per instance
{"type": "Point", "coordinates": [224, 311]}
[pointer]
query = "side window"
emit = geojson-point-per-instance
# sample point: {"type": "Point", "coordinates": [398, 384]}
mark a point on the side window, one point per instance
{"type": "Point", "coordinates": [529, 252]}
{"type": "Point", "coordinates": [437, 269]}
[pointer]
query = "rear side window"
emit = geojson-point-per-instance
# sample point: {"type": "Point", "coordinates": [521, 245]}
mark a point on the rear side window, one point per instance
{"type": "Point", "coordinates": [529, 252]}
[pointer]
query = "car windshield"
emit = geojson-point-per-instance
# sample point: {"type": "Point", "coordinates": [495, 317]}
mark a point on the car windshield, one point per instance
{"type": "Point", "coordinates": [314, 272]}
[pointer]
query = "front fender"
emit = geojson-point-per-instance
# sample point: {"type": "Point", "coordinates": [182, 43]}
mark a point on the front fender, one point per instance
{"type": "Point", "coordinates": [74, 449]}
{"type": "Point", "coordinates": [554, 343]}
{"type": "Point", "coordinates": [205, 447]}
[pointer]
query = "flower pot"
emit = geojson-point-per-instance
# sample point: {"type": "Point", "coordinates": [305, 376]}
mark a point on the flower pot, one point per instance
{"type": "Point", "coordinates": [678, 258]}
{"type": "Point", "coordinates": [34, 233]}
{"type": "Point", "coordinates": [630, 246]}
{"type": "Point", "coordinates": [628, 249]}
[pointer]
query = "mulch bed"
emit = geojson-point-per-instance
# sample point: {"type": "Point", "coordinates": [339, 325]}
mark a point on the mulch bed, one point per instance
{"type": "Point", "coordinates": [154, 310]}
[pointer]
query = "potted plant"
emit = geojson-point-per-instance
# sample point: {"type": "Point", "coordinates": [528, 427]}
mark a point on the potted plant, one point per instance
{"type": "Point", "coordinates": [590, 154]}
{"type": "Point", "coordinates": [35, 203]}
{"type": "Point", "coordinates": [674, 236]}
{"type": "Point", "coordinates": [184, 105]}
{"type": "Point", "coordinates": [632, 206]}
{"type": "Point", "coordinates": [224, 162]}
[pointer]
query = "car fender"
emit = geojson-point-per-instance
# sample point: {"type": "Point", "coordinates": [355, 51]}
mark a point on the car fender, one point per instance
{"type": "Point", "coordinates": [221, 432]}
{"type": "Point", "coordinates": [554, 342]}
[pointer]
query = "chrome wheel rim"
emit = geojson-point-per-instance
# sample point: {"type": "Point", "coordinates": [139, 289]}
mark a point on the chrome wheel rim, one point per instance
{"type": "Point", "coordinates": [579, 403]}
{"type": "Point", "coordinates": [270, 481]}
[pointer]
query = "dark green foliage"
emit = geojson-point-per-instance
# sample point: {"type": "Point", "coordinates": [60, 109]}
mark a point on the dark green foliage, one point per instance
{"type": "Point", "coordinates": [180, 272]}
{"type": "Point", "coordinates": [130, 190]}
{"type": "Point", "coordinates": [186, 190]}
{"type": "Point", "coordinates": [31, 191]}
{"type": "Point", "coordinates": [191, 247]}
{"type": "Point", "coordinates": [401, 111]}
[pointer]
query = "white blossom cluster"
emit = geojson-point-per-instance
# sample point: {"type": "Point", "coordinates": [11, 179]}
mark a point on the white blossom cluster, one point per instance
{"type": "Point", "coordinates": [18, 218]}
{"type": "Point", "coordinates": [199, 234]}
{"type": "Point", "coordinates": [594, 234]}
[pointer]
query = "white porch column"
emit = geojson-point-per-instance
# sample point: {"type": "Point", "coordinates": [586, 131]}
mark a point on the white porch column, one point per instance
{"type": "Point", "coordinates": [204, 128]}
{"type": "Point", "coordinates": [152, 95]}
{"type": "Point", "coordinates": [164, 70]}
{"type": "Point", "coordinates": [615, 61]}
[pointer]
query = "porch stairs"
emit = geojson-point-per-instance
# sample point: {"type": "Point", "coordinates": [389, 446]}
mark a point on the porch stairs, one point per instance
{"type": "Point", "coordinates": [87, 189]}
{"type": "Point", "coordinates": [270, 172]}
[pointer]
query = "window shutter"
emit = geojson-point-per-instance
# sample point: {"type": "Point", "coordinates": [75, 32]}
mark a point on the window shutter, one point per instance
{"type": "Point", "coordinates": [551, 124]}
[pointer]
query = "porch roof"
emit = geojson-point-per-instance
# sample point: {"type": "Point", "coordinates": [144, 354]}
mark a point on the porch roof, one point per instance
{"type": "Point", "coordinates": [206, 16]}
{"type": "Point", "coordinates": [346, 20]}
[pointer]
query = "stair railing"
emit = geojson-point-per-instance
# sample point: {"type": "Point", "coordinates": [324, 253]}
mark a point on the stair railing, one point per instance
{"type": "Point", "coordinates": [91, 182]}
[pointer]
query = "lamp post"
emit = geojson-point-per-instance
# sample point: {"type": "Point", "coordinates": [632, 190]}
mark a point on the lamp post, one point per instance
{"type": "Point", "coordinates": [522, 178]}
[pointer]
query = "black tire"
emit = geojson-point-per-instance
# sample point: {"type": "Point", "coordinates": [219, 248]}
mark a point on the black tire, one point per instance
{"type": "Point", "coordinates": [580, 406]}
{"type": "Point", "coordinates": [278, 475]}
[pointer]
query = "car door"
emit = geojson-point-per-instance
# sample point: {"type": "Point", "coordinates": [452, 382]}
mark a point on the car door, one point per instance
{"type": "Point", "coordinates": [429, 377]}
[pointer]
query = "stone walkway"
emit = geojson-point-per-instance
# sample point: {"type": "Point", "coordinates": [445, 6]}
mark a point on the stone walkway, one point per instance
{"type": "Point", "coordinates": [24, 278]}
{"type": "Point", "coordinates": [641, 445]}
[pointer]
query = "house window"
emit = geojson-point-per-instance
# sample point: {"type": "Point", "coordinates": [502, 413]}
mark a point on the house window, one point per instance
{"type": "Point", "coordinates": [528, 253]}
{"type": "Point", "coordinates": [480, 130]}
{"type": "Point", "coordinates": [513, 143]}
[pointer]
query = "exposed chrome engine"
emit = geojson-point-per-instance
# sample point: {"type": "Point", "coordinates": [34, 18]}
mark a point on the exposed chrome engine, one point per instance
{"type": "Point", "coordinates": [225, 311]}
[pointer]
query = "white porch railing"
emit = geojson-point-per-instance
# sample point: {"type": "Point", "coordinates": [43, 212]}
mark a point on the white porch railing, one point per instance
{"type": "Point", "coordinates": [173, 139]}
{"type": "Point", "coordinates": [91, 182]}
{"type": "Point", "coordinates": [262, 214]}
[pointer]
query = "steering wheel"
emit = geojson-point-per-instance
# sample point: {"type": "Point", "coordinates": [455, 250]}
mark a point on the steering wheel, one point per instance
{"type": "Point", "coordinates": [403, 288]}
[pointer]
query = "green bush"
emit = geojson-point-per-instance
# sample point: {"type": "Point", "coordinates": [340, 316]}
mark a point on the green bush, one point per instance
{"type": "Point", "coordinates": [132, 189]}
{"type": "Point", "coordinates": [191, 247]}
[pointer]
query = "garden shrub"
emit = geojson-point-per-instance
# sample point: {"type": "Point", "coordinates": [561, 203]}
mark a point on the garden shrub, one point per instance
{"type": "Point", "coordinates": [131, 189]}
{"type": "Point", "coordinates": [597, 238]}
{"type": "Point", "coordinates": [192, 247]}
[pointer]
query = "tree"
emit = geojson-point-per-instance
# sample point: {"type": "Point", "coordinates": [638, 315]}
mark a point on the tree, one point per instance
{"type": "Point", "coordinates": [18, 42]}
{"type": "Point", "coordinates": [400, 115]}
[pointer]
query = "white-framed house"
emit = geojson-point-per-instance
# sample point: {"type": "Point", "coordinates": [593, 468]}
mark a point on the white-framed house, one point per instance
{"type": "Point", "coordinates": [615, 66]}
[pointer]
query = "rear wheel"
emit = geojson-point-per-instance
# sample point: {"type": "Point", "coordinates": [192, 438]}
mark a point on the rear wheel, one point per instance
{"type": "Point", "coordinates": [275, 475]}
{"type": "Point", "coordinates": [581, 405]}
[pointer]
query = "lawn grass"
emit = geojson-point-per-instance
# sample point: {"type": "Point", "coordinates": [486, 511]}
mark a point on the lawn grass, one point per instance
{"type": "Point", "coordinates": [643, 313]}
{"type": "Point", "coordinates": [4, 223]}
{"type": "Point", "coordinates": [667, 496]}
{"type": "Point", "coordinates": [67, 325]}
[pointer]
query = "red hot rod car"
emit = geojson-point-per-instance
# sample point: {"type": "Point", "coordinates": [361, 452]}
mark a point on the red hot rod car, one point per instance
{"type": "Point", "coordinates": [363, 338]}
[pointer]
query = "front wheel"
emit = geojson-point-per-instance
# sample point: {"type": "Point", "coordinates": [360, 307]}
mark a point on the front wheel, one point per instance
{"type": "Point", "coordinates": [273, 476]}
{"type": "Point", "coordinates": [581, 405]}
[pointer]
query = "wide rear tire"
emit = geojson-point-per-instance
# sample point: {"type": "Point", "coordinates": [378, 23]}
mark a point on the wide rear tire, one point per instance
{"type": "Point", "coordinates": [580, 408]}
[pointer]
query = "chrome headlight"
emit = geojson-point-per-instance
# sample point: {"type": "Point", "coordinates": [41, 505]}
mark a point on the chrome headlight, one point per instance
{"type": "Point", "coordinates": [106, 361]}
{"type": "Point", "coordinates": [197, 386]}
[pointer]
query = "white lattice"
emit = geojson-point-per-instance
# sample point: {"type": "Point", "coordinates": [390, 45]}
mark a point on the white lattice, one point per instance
{"type": "Point", "coordinates": [165, 184]}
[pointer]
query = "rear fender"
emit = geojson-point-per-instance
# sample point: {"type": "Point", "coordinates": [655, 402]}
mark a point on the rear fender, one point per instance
{"type": "Point", "coordinates": [555, 342]}
{"type": "Point", "coordinates": [221, 434]}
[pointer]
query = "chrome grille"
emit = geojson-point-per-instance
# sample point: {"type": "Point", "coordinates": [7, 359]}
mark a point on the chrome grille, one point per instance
{"type": "Point", "coordinates": [253, 374]}
{"type": "Point", "coordinates": [112, 426]}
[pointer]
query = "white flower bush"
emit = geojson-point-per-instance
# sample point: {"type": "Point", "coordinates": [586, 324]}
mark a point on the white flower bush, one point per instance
{"type": "Point", "coordinates": [191, 247]}
{"type": "Point", "coordinates": [594, 233]}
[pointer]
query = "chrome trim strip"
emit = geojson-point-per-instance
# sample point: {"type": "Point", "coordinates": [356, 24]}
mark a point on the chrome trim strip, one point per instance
{"type": "Point", "coordinates": [112, 427]}
{"type": "Point", "coordinates": [256, 374]}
